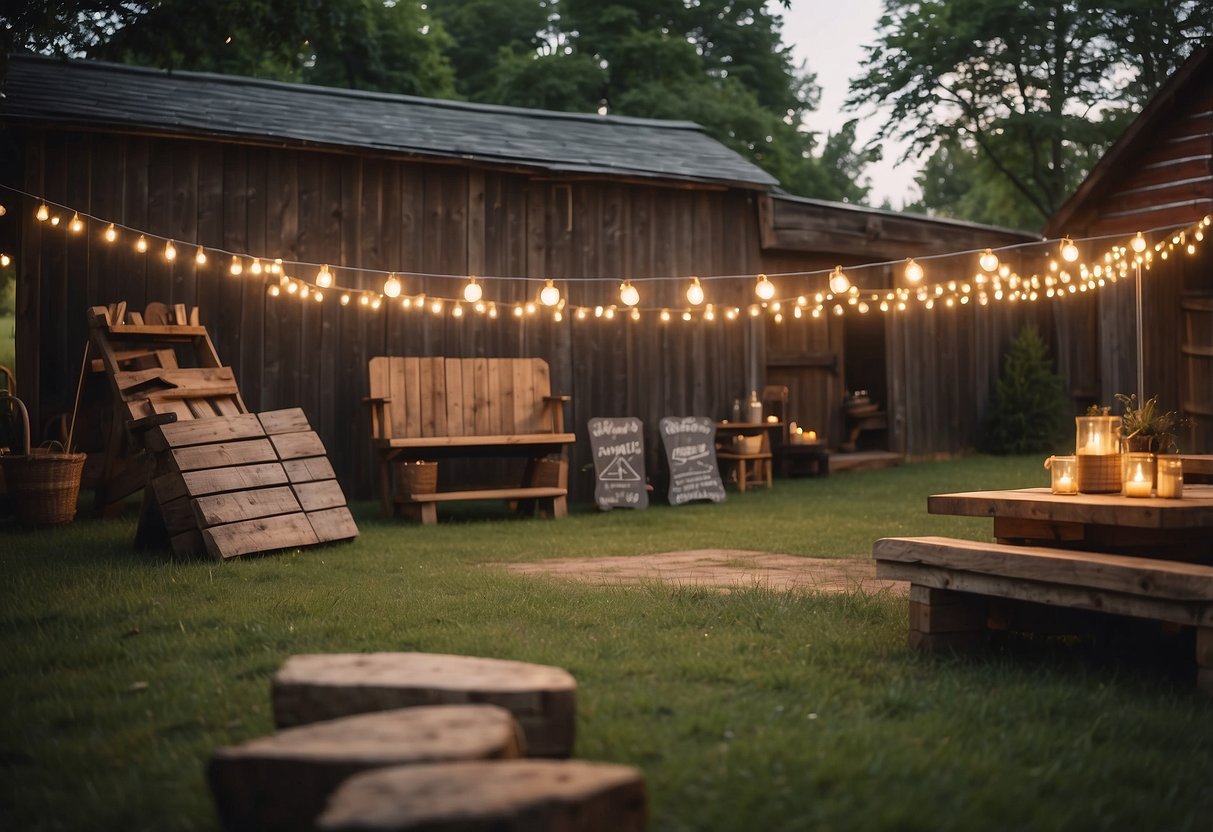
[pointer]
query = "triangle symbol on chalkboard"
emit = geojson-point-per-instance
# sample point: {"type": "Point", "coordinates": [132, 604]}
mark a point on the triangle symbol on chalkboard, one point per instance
{"type": "Point", "coordinates": [619, 471]}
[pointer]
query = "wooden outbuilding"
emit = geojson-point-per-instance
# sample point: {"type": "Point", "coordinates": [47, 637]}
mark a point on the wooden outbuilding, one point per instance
{"type": "Point", "coordinates": [372, 185]}
{"type": "Point", "coordinates": [1157, 179]}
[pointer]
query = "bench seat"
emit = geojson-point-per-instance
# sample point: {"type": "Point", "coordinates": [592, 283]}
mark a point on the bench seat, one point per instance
{"type": "Point", "coordinates": [426, 409]}
{"type": "Point", "coordinates": [951, 579]}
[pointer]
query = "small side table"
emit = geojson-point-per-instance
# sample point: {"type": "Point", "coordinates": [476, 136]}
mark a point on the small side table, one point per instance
{"type": "Point", "coordinates": [804, 459]}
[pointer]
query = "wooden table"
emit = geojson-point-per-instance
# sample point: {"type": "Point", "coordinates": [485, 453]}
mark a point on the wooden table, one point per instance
{"type": "Point", "coordinates": [1148, 527]}
{"type": "Point", "coordinates": [752, 468]}
{"type": "Point", "coordinates": [1198, 468]}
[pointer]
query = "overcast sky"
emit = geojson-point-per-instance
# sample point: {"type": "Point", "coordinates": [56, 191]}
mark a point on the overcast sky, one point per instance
{"type": "Point", "coordinates": [829, 35]}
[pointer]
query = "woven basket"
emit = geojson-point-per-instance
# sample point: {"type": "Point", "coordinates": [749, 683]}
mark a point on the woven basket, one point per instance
{"type": "Point", "coordinates": [1099, 473]}
{"type": "Point", "coordinates": [747, 444]}
{"type": "Point", "coordinates": [416, 478]}
{"type": "Point", "coordinates": [44, 485]}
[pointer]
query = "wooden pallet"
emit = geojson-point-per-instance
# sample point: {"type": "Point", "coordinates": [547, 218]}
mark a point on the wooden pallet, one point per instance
{"type": "Point", "coordinates": [223, 480]}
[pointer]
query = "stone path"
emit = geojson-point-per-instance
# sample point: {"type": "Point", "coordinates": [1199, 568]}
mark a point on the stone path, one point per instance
{"type": "Point", "coordinates": [722, 569]}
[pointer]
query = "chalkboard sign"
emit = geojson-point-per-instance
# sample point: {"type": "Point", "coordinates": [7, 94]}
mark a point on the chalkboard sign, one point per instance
{"type": "Point", "coordinates": [618, 449]}
{"type": "Point", "coordinates": [690, 452]}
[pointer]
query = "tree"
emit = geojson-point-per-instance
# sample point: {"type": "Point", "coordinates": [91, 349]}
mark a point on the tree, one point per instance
{"type": "Point", "coordinates": [1027, 409]}
{"type": "Point", "coordinates": [1033, 91]}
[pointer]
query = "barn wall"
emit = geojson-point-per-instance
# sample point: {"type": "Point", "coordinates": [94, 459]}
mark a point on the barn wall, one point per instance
{"type": "Point", "coordinates": [382, 214]}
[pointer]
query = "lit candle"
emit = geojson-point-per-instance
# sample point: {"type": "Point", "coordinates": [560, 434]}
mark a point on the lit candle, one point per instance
{"type": "Point", "coordinates": [1170, 478]}
{"type": "Point", "coordinates": [772, 419]}
{"type": "Point", "coordinates": [812, 436]}
{"type": "Point", "coordinates": [1139, 485]}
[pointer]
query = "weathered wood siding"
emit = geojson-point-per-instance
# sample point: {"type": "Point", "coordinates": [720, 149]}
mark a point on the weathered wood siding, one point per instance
{"type": "Point", "coordinates": [380, 214]}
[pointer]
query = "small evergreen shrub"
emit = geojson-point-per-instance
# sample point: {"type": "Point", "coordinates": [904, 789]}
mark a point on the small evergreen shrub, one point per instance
{"type": "Point", "coordinates": [1027, 410]}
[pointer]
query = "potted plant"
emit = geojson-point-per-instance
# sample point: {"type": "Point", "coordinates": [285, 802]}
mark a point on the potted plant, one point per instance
{"type": "Point", "coordinates": [1147, 427]}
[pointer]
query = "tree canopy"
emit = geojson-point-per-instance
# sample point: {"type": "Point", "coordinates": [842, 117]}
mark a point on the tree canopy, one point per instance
{"type": "Point", "coordinates": [1013, 101]}
{"type": "Point", "coordinates": [720, 63]}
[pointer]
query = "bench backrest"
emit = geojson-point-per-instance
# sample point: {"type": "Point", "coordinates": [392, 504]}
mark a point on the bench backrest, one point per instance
{"type": "Point", "coordinates": [461, 396]}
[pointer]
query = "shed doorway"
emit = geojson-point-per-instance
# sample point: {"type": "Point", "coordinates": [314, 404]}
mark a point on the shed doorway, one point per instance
{"type": "Point", "coordinates": [865, 407]}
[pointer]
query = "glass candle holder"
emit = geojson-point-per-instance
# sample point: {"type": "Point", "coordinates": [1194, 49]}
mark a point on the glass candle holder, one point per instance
{"type": "Point", "coordinates": [1065, 474]}
{"type": "Point", "coordinates": [1170, 477]}
{"type": "Point", "coordinates": [1096, 435]}
{"type": "Point", "coordinates": [1138, 474]}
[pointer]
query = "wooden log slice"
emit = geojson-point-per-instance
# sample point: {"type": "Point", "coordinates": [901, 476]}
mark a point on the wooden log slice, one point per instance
{"type": "Point", "coordinates": [311, 688]}
{"type": "Point", "coordinates": [282, 781]}
{"type": "Point", "coordinates": [509, 796]}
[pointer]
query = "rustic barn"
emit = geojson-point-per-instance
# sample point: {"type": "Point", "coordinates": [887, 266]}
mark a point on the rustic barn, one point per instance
{"type": "Point", "coordinates": [1157, 179]}
{"type": "Point", "coordinates": [436, 191]}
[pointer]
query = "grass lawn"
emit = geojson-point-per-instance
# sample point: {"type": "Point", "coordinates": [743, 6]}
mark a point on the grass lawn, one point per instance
{"type": "Point", "coordinates": [120, 672]}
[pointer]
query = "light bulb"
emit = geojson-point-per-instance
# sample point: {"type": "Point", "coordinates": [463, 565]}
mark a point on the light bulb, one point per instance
{"type": "Point", "coordinates": [55, 220]}
{"type": "Point", "coordinates": [764, 288]}
{"type": "Point", "coordinates": [550, 295]}
{"type": "Point", "coordinates": [457, 310]}
{"type": "Point", "coordinates": [324, 278]}
{"type": "Point", "coordinates": [472, 292]}
{"type": "Point", "coordinates": [694, 292]}
{"type": "Point", "coordinates": [77, 224]}
{"type": "Point", "coordinates": [1139, 243]}
{"type": "Point", "coordinates": [200, 256]}
{"type": "Point", "coordinates": [111, 233]}
{"type": "Point", "coordinates": [255, 268]}
{"type": "Point", "coordinates": [237, 268]}
{"type": "Point", "coordinates": [839, 282]}
{"type": "Point", "coordinates": [988, 260]}
{"type": "Point", "coordinates": [292, 288]}
{"type": "Point", "coordinates": [3, 210]}
{"type": "Point", "coordinates": [1069, 251]}
{"type": "Point", "coordinates": [913, 271]}
{"type": "Point", "coordinates": [43, 213]}
{"type": "Point", "coordinates": [345, 298]}
{"type": "Point", "coordinates": [4, 261]}
{"type": "Point", "coordinates": [141, 244]}
{"type": "Point", "coordinates": [665, 315]}
{"type": "Point", "coordinates": [274, 291]}
{"type": "Point", "coordinates": [391, 286]}
{"type": "Point", "coordinates": [628, 294]}
{"type": "Point", "coordinates": [170, 251]}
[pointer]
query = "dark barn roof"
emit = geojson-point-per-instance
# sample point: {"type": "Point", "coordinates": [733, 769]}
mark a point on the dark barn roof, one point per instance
{"type": "Point", "coordinates": [107, 96]}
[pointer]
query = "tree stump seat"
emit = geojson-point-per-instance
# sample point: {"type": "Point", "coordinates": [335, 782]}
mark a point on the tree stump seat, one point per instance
{"type": "Point", "coordinates": [506, 796]}
{"type": "Point", "coordinates": [281, 782]}
{"type": "Point", "coordinates": [316, 687]}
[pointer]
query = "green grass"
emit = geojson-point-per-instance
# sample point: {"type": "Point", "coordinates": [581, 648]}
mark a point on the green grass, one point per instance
{"type": "Point", "coordinates": [121, 671]}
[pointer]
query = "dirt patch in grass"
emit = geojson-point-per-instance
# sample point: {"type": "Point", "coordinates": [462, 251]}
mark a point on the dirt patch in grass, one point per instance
{"type": "Point", "coordinates": [722, 569]}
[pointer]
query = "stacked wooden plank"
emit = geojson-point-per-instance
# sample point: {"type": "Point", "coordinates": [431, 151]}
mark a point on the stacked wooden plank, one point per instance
{"type": "Point", "coordinates": [234, 485]}
{"type": "Point", "coordinates": [223, 480]}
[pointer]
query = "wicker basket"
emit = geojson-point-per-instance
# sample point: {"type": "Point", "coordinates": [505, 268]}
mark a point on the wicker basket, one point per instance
{"type": "Point", "coordinates": [416, 478]}
{"type": "Point", "coordinates": [1099, 473]}
{"type": "Point", "coordinates": [747, 444]}
{"type": "Point", "coordinates": [44, 484]}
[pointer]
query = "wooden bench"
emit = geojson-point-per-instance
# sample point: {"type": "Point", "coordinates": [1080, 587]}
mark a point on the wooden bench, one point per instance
{"type": "Point", "coordinates": [953, 584]}
{"type": "Point", "coordinates": [445, 408]}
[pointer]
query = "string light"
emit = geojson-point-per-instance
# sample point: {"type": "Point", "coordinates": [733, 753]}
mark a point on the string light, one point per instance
{"type": "Point", "coordinates": [111, 233]}
{"type": "Point", "coordinates": [839, 282]}
{"type": "Point", "coordinates": [988, 261]}
{"type": "Point", "coordinates": [1068, 251]}
{"type": "Point", "coordinates": [141, 244]}
{"type": "Point", "coordinates": [391, 286]}
{"type": "Point", "coordinates": [324, 278]}
{"type": "Point", "coordinates": [170, 251]}
{"type": "Point", "coordinates": [628, 294]}
{"type": "Point", "coordinates": [4, 261]}
{"type": "Point", "coordinates": [914, 271]}
{"type": "Point", "coordinates": [200, 256]}
{"type": "Point", "coordinates": [472, 292]}
{"type": "Point", "coordinates": [549, 295]}
{"type": "Point", "coordinates": [694, 292]}
{"type": "Point", "coordinates": [764, 288]}
{"type": "Point", "coordinates": [43, 213]}
{"type": "Point", "coordinates": [237, 267]}
{"type": "Point", "coordinates": [77, 224]}
{"type": "Point", "coordinates": [1138, 243]}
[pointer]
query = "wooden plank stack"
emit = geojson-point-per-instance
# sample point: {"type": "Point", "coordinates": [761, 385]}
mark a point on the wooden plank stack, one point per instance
{"type": "Point", "coordinates": [234, 485]}
{"type": "Point", "coordinates": [222, 480]}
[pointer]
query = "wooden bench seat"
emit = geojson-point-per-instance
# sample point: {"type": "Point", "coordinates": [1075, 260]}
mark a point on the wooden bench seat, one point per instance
{"type": "Point", "coordinates": [430, 409]}
{"type": "Point", "coordinates": [951, 581]}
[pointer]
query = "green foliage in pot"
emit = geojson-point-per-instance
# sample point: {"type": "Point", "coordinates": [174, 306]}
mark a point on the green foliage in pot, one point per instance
{"type": "Point", "coordinates": [1147, 425]}
{"type": "Point", "coordinates": [1027, 411]}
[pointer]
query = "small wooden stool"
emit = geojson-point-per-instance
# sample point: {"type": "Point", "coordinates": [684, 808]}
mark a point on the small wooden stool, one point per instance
{"type": "Point", "coordinates": [311, 688]}
{"type": "Point", "coordinates": [508, 796]}
{"type": "Point", "coordinates": [281, 782]}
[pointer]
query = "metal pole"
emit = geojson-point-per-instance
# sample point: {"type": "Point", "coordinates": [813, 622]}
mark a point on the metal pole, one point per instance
{"type": "Point", "coordinates": [1141, 361]}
